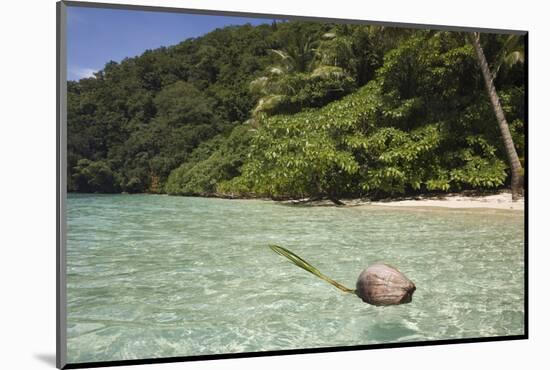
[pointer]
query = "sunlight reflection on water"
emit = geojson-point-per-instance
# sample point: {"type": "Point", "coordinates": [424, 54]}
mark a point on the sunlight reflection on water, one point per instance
{"type": "Point", "coordinates": [159, 276]}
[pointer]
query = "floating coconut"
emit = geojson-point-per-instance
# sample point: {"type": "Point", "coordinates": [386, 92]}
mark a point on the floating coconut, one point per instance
{"type": "Point", "coordinates": [379, 284]}
{"type": "Point", "coordinates": [384, 285]}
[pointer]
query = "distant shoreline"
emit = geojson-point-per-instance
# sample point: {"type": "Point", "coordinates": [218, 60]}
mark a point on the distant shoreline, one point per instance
{"type": "Point", "coordinates": [465, 200]}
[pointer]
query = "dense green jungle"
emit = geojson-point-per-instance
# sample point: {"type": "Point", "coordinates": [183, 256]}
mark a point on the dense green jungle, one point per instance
{"type": "Point", "coordinates": [294, 109]}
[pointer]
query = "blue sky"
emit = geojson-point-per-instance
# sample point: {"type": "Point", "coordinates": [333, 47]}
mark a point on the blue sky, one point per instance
{"type": "Point", "coordinates": [96, 36]}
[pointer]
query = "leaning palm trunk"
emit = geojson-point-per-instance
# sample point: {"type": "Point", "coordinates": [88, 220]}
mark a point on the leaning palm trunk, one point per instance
{"type": "Point", "coordinates": [513, 160]}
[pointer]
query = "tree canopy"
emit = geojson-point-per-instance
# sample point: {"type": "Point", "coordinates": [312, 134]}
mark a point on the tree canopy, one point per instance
{"type": "Point", "coordinates": [297, 109]}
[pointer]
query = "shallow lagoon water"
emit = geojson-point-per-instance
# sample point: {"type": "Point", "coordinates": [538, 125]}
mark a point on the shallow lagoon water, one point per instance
{"type": "Point", "coordinates": [161, 276]}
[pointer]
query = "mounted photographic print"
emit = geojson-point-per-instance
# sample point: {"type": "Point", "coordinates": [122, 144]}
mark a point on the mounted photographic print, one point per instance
{"type": "Point", "coordinates": [235, 184]}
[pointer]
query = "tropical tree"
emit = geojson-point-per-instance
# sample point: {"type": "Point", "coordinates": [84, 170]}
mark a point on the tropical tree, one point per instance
{"type": "Point", "coordinates": [307, 73]}
{"type": "Point", "coordinates": [513, 159]}
{"type": "Point", "coordinates": [511, 53]}
{"type": "Point", "coordinates": [299, 53]}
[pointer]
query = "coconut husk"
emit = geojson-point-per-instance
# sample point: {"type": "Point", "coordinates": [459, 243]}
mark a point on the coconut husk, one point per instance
{"type": "Point", "coordinates": [384, 285]}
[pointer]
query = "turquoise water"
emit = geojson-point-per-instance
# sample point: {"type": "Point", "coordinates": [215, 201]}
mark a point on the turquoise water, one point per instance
{"type": "Point", "coordinates": [159, 276]}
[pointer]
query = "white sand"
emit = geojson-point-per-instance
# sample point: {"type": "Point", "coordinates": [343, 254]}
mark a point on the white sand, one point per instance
{"type": "Point", "coordinates": [502, 200]}
{"type": "Point", "coordinates": [496, 201]}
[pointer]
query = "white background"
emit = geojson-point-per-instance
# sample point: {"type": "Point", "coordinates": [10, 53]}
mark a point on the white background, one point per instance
{"type": "Point", "coordinates": [27, 182]}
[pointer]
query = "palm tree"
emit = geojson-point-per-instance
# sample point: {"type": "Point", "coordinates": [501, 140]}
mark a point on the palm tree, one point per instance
{"type": "Point", "coordinates": [302, 56]}
{"type": "Point", "coordinates": [513, 159]}
{"type": "Point", "coordinates": [512, 52]}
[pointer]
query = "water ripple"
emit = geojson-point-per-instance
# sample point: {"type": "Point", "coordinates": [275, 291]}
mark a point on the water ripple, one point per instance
{"type": "Point", "coordinates": [158, 276]}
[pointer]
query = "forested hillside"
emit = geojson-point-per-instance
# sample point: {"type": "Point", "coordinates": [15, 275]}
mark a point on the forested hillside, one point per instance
{"type": "Point", "coordinates": [298, 109]}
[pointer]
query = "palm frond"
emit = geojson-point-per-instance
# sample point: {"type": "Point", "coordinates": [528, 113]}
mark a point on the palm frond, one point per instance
{"type": "Point", "coordinates": [280, 53]}
{"type": "Point", "coordinates": [514, 57]}
{"type": "Point", "coordinates": [512, 52]}
{"type": "Point", "coordinates": [300, 262]}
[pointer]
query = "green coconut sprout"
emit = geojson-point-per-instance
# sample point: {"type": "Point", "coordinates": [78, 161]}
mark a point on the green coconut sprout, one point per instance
{"type": "Point", "coordinates": [300, 262]}
{"type": "Point", "coordinates": [379, 285]}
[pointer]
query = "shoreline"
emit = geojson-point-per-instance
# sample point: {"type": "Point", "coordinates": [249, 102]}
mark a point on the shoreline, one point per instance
{"type": "Point", "coordinates": [501, 201]}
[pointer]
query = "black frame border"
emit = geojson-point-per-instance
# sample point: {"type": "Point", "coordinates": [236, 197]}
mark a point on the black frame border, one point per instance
{"type": "Point", "coordinates": [61, 191]}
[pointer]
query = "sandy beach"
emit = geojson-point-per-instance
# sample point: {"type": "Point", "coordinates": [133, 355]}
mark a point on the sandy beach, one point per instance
{"type": "Point", "coordinates": [501, 200]}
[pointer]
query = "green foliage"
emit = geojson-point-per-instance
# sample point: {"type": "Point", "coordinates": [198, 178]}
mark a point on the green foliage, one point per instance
{"type": "Point", "coordinates": [91, 177]}
{"type": "Point", "coordinates": [295, 92]}
{"type": "Point", "coordinates": [423, 124]}
{"type": "Point", "coordinates": [147, 114]}
{"type": "Point", "coordinates": [328, 111]}
{"type": "Point", "coordinates": [303, 154]}
{"type": "Point", "coordinates": [221, 161]}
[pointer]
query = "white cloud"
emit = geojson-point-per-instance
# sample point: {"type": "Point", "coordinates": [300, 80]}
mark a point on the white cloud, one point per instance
{"type": "Point", "coordinates": [83, 72]}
